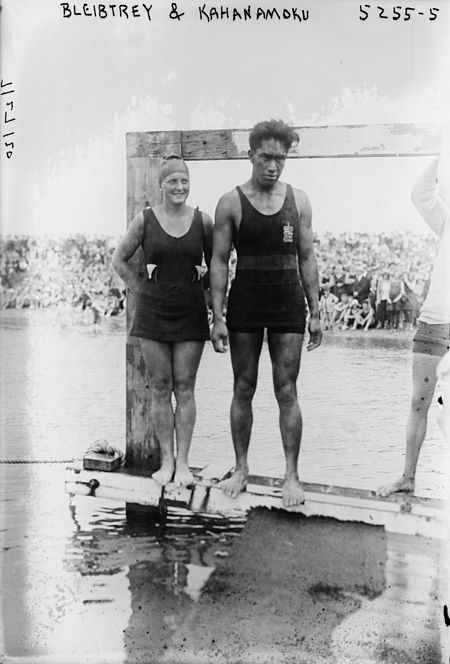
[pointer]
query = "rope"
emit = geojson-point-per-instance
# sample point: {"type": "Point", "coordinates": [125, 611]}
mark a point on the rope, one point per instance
{"type": "Point", "coordinates": [4, 461]}
{"type": "Point", "coordinates": [99, 446]}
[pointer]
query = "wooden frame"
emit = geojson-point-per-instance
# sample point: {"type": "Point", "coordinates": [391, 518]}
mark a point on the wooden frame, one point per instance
{"type": "Point", "coordinates": [144, 152]}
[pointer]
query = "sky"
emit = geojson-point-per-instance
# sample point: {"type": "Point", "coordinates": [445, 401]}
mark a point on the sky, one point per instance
{"type": "Point", "coordinates": [82, 82]}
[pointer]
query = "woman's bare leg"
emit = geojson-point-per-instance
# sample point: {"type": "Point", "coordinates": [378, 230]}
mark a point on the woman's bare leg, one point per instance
{"type": "Point", "coordinates": [185, 361]}
{"type": "Point", "coordinates": [158, 360]}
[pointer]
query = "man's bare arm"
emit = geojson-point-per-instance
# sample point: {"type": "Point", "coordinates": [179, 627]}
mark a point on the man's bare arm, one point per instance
{"type": "Point", "coordinates": [425, 198]}
{"type": "Point", "coordinates": [125, 250]}
{"type": "Point", "coordinates": [222, 242]}
{"type": "Point", "coordinates": [308, 268]}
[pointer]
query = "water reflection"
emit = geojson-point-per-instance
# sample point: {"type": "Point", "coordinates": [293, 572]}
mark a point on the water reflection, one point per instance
{"type": "Point", "coordinates": [83, 582]}
{"type": "Point", "coordinates": [111, 538]}
{"type": "Point", "coordinates": [146, 572]}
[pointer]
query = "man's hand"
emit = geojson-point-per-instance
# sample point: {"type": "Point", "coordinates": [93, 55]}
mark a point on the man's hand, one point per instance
{"type": "Point", "coordinates": [219, 336]}
{"type": "Point", "coordinates": [315, 333]}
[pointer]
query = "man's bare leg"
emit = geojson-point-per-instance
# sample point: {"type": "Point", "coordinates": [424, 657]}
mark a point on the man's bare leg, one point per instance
{"type": "Point", "coordinates": [285, 353]}
{"type": "Point", "coordinates": [185, 359]}
{"type": "Point", "coordinates": [424, 382]}
{"type": "Point", "coordinates": [158, 360]}
{"type": "Point", "coordinates": [245, 349]}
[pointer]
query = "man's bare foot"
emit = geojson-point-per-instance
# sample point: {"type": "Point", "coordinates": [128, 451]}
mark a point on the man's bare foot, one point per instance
{"type": "Point", "coordinates": [402, 485]}
{"type": "Point", "coordinates": [292, 492]}
{"type": "Point", "coordinates": [183, 475]}
{"type": "Point", "coordinates": [164, 475]}
{"type": "Point", "coordinates": [235, 484]}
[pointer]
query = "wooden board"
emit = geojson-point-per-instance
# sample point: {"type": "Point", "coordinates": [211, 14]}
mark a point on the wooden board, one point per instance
{"type": "Point", "coordinates": [398, 514]}
{"type": "Point", "coordinates": [380, 140]}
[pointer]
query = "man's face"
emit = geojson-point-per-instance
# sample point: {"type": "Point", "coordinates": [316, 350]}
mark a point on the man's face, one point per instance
{"type": "Point", "coordinates": [268, 162]}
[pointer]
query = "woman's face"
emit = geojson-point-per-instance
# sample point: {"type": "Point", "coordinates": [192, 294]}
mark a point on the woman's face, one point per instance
{"type": "Point", "coordinates": [175, 187]}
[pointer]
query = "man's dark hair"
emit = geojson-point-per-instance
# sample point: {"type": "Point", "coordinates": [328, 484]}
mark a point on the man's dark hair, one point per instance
{"type": "Point", "coordinates": [277, 129]}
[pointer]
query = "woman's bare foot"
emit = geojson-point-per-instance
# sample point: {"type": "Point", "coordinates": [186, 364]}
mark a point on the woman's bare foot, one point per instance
{"type": "Point", "coordinates": [292, 492]}
{"type": "Point", "coordinates": [402, 485]}
{"type": "Point", "coordinates": [235, 484]}
{"type": "Point", "coordinates": [183, 476]}
{"type": "Point", "coordinates": [164, 475]}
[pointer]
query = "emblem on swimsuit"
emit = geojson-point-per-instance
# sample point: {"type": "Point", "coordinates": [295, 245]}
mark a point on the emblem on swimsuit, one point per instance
{"type": "Point", "coordinates": [288, 232]}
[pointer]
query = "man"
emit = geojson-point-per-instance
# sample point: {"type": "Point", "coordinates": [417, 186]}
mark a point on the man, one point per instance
{"type": "Point", "coordinates": [269, 224]}
{"type": "Point", "coordinates": [361, 286]}
{"type": "Point", "coordinates": [432, 339]}
{"type": "Point", "coordinates": [443, 376]}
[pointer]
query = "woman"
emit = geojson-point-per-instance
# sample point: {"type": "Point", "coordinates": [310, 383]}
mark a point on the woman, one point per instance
{"type": "Point", "coordinates": [171, 318]}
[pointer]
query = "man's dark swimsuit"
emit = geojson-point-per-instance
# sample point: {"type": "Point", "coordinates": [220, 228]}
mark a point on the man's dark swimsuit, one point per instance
{"type": "Point", "coordinates": [266, 291]}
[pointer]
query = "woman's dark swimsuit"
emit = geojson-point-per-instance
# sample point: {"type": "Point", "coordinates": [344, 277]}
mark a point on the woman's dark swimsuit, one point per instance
{"type": "Point", "coordinates": [170, 304]}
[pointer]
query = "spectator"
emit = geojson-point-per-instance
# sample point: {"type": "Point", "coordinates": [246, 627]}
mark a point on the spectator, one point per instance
{"type": "Point", "coordinates": [365, 317]}
{"type": "Point", "coordinates": [351, 314]}
{"type": "Point", "coordinates": [327, 302]}
{"type": "Point", "coordinates": [340, 310]}
{"type": "Point", "coordinates": [383, 299]}
{"type": "Point", "coordinates": [396, 299]}
{"type": "Point", "coordinates": [339, 286]}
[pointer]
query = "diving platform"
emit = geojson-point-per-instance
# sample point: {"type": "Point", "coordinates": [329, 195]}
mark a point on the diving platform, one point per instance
{"type": "Point", "coordinates": [400, 513]}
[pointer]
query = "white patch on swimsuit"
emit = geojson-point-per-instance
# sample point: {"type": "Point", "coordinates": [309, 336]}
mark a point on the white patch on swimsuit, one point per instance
{"type": "Point", "coordinates": [151, 267]}
{"type": "Point", "coordinates": [288, 232]}
{"type": "Point", "coordinates": [197, 273]}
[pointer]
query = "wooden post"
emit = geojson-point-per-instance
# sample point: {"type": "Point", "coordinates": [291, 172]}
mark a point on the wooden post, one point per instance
{"type": "Point", "coordinates": [142, 454]}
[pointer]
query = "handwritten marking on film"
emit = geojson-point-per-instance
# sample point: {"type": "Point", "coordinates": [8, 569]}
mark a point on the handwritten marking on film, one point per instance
{"type": "Point", "coordinates": [206, 12]}
{"type": "Point", "coordinates": [8, 117]}
{"type": "Point", "coordinates": [397, 12]}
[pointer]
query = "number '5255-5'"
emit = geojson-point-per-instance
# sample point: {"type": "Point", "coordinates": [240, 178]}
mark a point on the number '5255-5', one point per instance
{"type": "Point", "coordinates": [396, 13]}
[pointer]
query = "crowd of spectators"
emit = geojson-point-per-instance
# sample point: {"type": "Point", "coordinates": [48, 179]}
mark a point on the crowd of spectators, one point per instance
{"type": "Point", "coordinates": [42, 272]}
{"type": "Point", "coordinates": [366, 280]}
{"type": "Point", "coordinates": [373, 280]}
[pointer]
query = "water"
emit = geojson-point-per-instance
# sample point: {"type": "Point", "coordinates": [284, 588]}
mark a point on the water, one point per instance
{"type": "Point", "coordinates": [82, 583]}
{"type": "Point", "coordinates": [62, 388]}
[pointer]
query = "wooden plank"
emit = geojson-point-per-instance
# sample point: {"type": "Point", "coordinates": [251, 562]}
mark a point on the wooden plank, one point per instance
{"type": "Point", "coordinates": [349, 491]}
{"type": "Point", "coordinates": [380, 140]}
{"type": "Point", "coordinates": [207, 498]}
{"type": "Point", "coordinates": [152, 143]}
{"type": "Point", "coordinates": [206, 144]}
{"type": "Point", "coordinates": [352, 141]}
